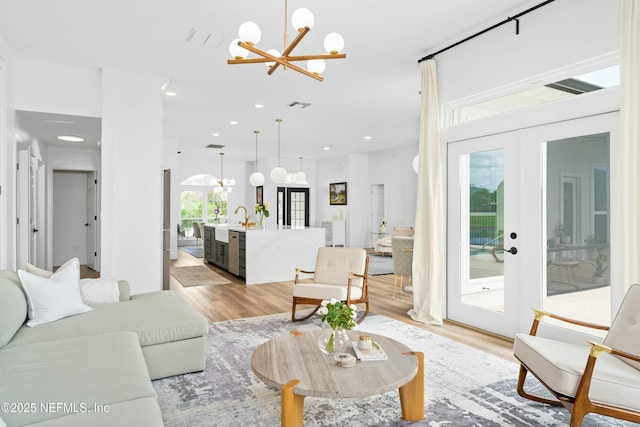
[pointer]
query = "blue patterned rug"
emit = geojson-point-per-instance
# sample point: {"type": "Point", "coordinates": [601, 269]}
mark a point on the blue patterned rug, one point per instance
{"type": "Point", "coordinates": [196, 251]}
{"type": "Point", "coordinates": [463, 386]}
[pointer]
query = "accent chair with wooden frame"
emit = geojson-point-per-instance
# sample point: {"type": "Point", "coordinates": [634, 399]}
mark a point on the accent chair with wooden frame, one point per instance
{"type": "Point", "coordinates": [339, 273]}
{"type": "Point", "coordinates": [599, 378]}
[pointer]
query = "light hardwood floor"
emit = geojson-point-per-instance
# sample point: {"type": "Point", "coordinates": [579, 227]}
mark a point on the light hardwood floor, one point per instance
{"type": "Point", "coordinates": [236, 301]}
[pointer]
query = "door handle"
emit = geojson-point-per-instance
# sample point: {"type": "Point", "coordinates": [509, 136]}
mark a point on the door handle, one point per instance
{"type": "Point", "coordinates": [35, 230]}
{"type": "Point", "coordinates": [513, 250]}
{"type": "Point", "coordinates": [87, 224]}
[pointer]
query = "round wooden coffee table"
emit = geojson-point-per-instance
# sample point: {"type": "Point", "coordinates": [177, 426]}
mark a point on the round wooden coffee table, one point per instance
{"type": "Point", "coordinates": [294, 363]}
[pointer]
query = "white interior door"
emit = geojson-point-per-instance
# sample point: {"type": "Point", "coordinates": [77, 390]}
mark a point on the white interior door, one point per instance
{"type": "Point", "coordinates": [377, 211]}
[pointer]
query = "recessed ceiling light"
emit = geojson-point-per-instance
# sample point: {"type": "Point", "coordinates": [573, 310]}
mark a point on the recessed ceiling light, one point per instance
{"type": "Point", "coordinates": [170, 93]}
{"type": "Point", "coordinates": [233, 122]}
{"type": "Point", "coordinates": [367, 138]}
{"type": "Point", "coordinates": [70, 138]}
{"type": "Point", "coordinates": [259, 106]}
{"type": "Point", "coordinates": [327, 148]}
{"type": "Point", "coordinates": [215, 134]}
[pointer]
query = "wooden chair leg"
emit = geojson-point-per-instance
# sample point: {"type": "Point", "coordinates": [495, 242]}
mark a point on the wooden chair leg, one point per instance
{"type": "Point", "coordinates": [293, 312]}
{"type": "Point", "coordinates": [366, 311]}
{"type": "Point", "coordinates": [521, 377]}
{"type": "Point", "coordinates": [395, 280]}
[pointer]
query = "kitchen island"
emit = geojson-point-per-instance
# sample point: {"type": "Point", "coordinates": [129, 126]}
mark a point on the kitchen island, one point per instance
{"type": "Point", "coordinates": [262, 256]}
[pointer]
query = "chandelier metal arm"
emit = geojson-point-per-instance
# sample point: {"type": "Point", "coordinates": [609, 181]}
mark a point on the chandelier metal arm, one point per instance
{"type": "Point", "coordinates": [322, 56]}
{"type": "Point", "coordinates": [280, 61]}
{"type": "Point", "coordinates": [288, 58]}
{"type": "Point", "coordinates": [290, 48]}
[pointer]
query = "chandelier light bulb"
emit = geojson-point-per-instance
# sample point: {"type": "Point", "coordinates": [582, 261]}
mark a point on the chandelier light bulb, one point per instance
{"type": "Point", "coordinates": [256, 179]}
{"type": "Point", "coordinates": [249, 33]}
{"type": "Point", "coordinates": [302, 18]}
{"type": "Point", "coordinates": [273, 52]}
{"type": "Point", "coordinates": [236, 51]}
{"type": "Point", "coordinates": [278, 174]}
{"type": "Point", "coordinates": [333, 43]}
{"type": "Point", "coordinates": [316, 66]}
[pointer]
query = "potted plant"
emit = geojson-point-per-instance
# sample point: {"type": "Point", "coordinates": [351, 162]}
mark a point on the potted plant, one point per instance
{"type": "Point", "coordinates": [600, 265]}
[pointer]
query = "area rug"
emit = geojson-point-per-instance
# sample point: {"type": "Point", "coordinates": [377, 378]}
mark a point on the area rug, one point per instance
{"type": "Point", "coordinates": [196, 251]}
{"type": "Point", "coordinates": [197, 275]}
{"type": "Point", "coordinates": [379, 265]}
{"type": "Point", "coordinates": [463, 386]}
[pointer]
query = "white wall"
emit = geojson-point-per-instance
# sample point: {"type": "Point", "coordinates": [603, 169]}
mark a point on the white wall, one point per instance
{"type": "Point", "coordinates": [7, 160]}
{"type": "Point", "coordinates": [557, 35]}
{"type": "Point", "coordinates": [58, 89]}
{"type": "Point", "coordinates": [132, 169]}
{"type": "Point", "coordinates": [393, 168]}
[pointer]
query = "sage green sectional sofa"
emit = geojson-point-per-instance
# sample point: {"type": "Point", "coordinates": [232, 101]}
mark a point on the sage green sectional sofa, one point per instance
{"type": "Point", "coordinates": [95, 368]}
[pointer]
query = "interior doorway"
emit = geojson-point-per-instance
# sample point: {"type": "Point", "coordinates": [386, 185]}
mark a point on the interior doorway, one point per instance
{"type": "Point", "coordinates": [377, 212]}
{"type": "Point", "coordinates": [74, 217]}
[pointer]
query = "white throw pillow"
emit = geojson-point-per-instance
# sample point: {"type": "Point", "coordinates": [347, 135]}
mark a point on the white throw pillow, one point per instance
{"type": "Point", "coordinates": [56, 297]}
{"type": "Point", "coordinates": [100, 291]}
{"type": "Point", "coordinates": [30, 268]}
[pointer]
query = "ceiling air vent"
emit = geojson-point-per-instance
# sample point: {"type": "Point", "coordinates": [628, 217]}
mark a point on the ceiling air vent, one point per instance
{"type": "Point", "coordinates": [203, 37]}
{"type": "Point", "coordinates": [299, 104]}
{"type": "Point", "coordinates": [216, 146]}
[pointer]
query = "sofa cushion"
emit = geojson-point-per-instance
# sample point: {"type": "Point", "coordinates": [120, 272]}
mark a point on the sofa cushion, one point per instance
{"type": "Point", "coordinates": [13, 305]}
{"type": "Point", "coordinates": [80, 372]}
{"type": "Point", "coordinates": [157, 317]}
{"type": "Point", "coordinates": [560, 366]}
{"type": "Point", "coordinates": [53, 298]}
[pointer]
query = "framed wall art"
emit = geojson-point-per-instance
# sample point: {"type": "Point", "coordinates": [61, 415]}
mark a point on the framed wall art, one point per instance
{"type": "Point", "coordinates": [338, 193]}
{"type": "Point", "coordinates": [259, 198]}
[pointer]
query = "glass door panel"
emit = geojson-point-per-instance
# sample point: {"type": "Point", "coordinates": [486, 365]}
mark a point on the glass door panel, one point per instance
{"type": "Point", "coordinates": [484, 282]}
{"type": "Point", "coordinates": [577, 213]}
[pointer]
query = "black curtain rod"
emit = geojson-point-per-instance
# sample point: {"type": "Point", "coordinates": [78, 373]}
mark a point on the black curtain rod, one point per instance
{"type": "Point", "coordinates": [509, 19]}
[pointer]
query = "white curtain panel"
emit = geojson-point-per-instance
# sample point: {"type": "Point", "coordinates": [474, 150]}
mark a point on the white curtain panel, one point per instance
{"type": "Point", "coordinates": [428, 250]}
{"type": "Point", "coordinates": [630, 127]}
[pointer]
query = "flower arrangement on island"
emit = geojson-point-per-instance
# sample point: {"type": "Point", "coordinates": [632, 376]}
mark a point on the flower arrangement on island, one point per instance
{"type": "Point", "coordinates": [339, 316]}
{"type": "Point", "coordinates": [262, 208]}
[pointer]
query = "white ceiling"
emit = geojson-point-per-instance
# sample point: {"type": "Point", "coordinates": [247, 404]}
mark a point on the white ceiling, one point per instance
{"type": "Point", "coordinates": [373, 92]}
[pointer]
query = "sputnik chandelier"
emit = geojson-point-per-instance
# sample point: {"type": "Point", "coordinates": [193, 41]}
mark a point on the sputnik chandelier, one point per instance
{"type": "Point", "coordinates": [223, 185]}
{"type": "Point", "coordinates": [302, 19]}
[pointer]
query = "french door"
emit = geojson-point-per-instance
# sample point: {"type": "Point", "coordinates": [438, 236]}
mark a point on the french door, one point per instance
{"type": "Point", "coordinates": [528, 221]}
{"type": "Point", "coordinates": [484, 237]}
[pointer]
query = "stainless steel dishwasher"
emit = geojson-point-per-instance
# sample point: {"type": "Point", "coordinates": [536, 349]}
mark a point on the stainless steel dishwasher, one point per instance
{"type": "Point", "coordinates": [234, 252]}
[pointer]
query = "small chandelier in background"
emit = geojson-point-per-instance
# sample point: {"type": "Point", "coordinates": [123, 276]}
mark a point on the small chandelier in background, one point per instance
{"type": "Point", "coordinates": [301, 177]}
{"type": "Point", "coordinates": [256, 179]}
{"type": "Point", "coordinates": [278, 174]}
{"type": "Point", "coordinates": [302, 20]}
{"type": "Point", "coordinates": [223, 185]}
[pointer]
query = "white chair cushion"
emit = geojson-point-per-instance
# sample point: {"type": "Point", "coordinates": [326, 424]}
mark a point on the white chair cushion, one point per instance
{"type": "Point", "coordinates": [560, 366]}
{"type": "Point", "coordinates": [625, 330]}
{"type": "Point", "coordinates": [334, 264]}
{"type": "Point", "coordinates": [325, 291]}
